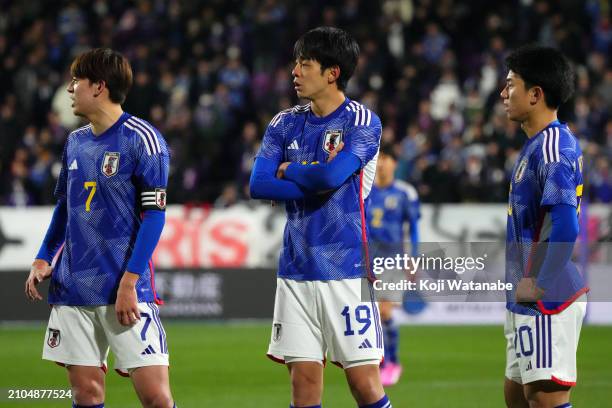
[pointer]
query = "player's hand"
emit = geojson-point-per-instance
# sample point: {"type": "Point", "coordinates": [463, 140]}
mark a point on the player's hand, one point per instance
{"type": "Point", "coordinates": [40, 271]}
{"type": "Point", "coordinates": [334, 153]}
{"type": "Point", "coordinates": [126, 306]}
{"type": "Point", "coordinates": [280, 172]}
{"type": "Point", "coordinates": [527, 291]}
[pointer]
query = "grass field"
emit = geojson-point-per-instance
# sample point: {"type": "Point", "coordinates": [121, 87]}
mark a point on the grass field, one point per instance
{"type": "Point", "coordinates": [224, 365]}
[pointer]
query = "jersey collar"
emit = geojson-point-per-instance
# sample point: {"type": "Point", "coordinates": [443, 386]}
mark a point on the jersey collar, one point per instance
{"type": "Point", "coordinates": [124, 116]}
{"type": "Point", "coordinates": [554, 123]}
{"type": "Point", "coordinates": [311, 118]}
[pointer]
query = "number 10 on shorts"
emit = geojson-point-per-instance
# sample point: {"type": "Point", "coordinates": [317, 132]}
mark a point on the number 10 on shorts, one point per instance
{"type": "Point", "coordinates": [363, 316]}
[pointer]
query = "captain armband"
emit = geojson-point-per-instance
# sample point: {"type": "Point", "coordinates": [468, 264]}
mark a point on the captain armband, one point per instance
{"type": "Point", "coordinates": [153, 199]}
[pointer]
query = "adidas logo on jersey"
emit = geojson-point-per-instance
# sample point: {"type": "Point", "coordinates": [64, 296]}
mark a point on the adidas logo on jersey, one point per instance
{"type": "Point", "coordinates": [365, 344]}
{"type": "Point", "coordinates": [148, 350]}
{"type": "Point", "coordinates": [73, 165]}
{"type": "Point", "coordinates": [293, 145]}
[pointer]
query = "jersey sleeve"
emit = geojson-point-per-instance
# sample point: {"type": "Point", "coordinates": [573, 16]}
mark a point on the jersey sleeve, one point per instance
{"type": "Point", "coordinates": [151, 171]}
{"type": "Point", "coordinates": [558, 181]}
{"type": "Point", "coordinates": [363, 138]}
{"type": "Point", "coordinates": [61, 189]}
{"type": "Point", "coordinates": [272, 143]}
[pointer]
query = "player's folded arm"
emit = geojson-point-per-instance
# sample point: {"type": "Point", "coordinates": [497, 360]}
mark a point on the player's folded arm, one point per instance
{"type": "Point", "coordinates": [324, 176]}
{"type": "Point", "coordinates": [264, 185]}
{"type": "Point", "coordinates": [56, 233]}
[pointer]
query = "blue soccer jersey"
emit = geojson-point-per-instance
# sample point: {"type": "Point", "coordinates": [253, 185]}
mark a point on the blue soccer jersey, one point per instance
{"type": "Point", "coordinates": [389, 209]}
{"type": "Point", "coordinates": [547, 172]}
{"type": "Point", "coordinates": [107, 182]}
{"type": "Point", "coordinates": [325, 236]}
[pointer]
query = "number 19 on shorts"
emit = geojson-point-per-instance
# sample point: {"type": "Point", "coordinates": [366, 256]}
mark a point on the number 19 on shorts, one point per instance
{"type": "Point", "coordinates": [362, 315]}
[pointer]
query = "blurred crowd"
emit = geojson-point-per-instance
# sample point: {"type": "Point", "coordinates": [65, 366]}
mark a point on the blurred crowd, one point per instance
{"type": "Point", "coordinates": [211, 74]}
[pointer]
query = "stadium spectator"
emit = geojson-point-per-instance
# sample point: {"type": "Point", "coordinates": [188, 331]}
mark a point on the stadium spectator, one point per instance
{"type": "Point", "coordinates": [204, 70]}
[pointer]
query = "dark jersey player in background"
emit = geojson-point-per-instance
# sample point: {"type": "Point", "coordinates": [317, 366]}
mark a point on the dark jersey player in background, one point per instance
{"type": "Point", "coordinates": [319, 311]}
{"type": "Point", "coordinates": [547, 307]}
{"type": "Point", "coordinates": [111, 200]}
{"type": "Point", "coordinates": [393, 215]}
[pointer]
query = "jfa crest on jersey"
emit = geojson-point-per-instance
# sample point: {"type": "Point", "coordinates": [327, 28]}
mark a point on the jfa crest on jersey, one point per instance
{"type": "Point", "coordinates": [331, 140]}
{"type": "Point", "coordinates": [325, 234]}
{"type": "Point", "coordinates": [547, 172]}
{"type": "Point", "coordinates": [107, 182]}
{"type": "Point", "coordinates": [110, 164]}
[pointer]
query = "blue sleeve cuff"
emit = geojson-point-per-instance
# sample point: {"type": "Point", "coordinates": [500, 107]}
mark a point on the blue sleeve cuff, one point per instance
{"type": "Point", "coordinates": [56, 233]}
{"type": "Point", "coordinates": [146, 240]}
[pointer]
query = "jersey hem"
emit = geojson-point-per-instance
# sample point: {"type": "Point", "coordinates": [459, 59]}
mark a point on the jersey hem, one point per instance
{"type": "Point", "coordinates": [60, 303]}
{"type": "Point", "coordinates": [562, 307]}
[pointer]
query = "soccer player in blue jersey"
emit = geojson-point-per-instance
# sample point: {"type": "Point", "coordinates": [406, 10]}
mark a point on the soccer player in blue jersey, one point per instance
{"type": "Point", "coordinates": [548, 303]}
{"type": "Point", "coordinates": [319, 310]}
{"type": "Point", "coordinates": [393, 211]}
{"type": "Point", "coordinates": [111, 200]}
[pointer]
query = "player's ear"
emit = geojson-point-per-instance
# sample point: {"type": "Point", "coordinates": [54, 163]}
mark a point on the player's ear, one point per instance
{"type": "Point", "coordinates": [334, 74]}
{"type": "Point", "coordinates": [536, 94]}
{"type": "Point", "coordinates": [98, 88]}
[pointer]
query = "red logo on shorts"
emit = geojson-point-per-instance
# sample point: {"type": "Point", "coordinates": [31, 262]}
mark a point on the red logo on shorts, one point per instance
{"type": "Point", "coordinates": [54, 338]}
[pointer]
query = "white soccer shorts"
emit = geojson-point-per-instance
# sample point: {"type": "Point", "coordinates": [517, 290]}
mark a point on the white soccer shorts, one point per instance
{"type": "Point", "coordinates": [544, 347]}
{"type": "Point", "coordinates": [314, 318]}
{"type": "Point", "coordinates": [82, 335]}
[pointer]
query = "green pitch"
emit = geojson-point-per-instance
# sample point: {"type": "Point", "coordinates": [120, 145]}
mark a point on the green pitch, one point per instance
{"type": "Point", "coordinates": [224, 365]}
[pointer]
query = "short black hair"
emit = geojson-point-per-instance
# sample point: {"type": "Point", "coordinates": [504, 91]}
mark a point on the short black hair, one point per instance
{"type": "Point", "coordinates": [329, 46]}
{"type": "Point", "coordinates": [104, 64]}
{"type": "Point", "coordinates": [388, 149]}
{"type": "Point", "coordinates": [545, 67]}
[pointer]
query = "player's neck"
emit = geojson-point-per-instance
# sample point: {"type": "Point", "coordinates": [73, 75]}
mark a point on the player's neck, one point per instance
{"type": "Point", "coordinates": [534, 125]}
{"type": "Point", "coordinates": [327, 102]}
{"type": "Point", "coordinates": [383, 183]}
{"type": "Point", "coordinates": [105, 117]}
